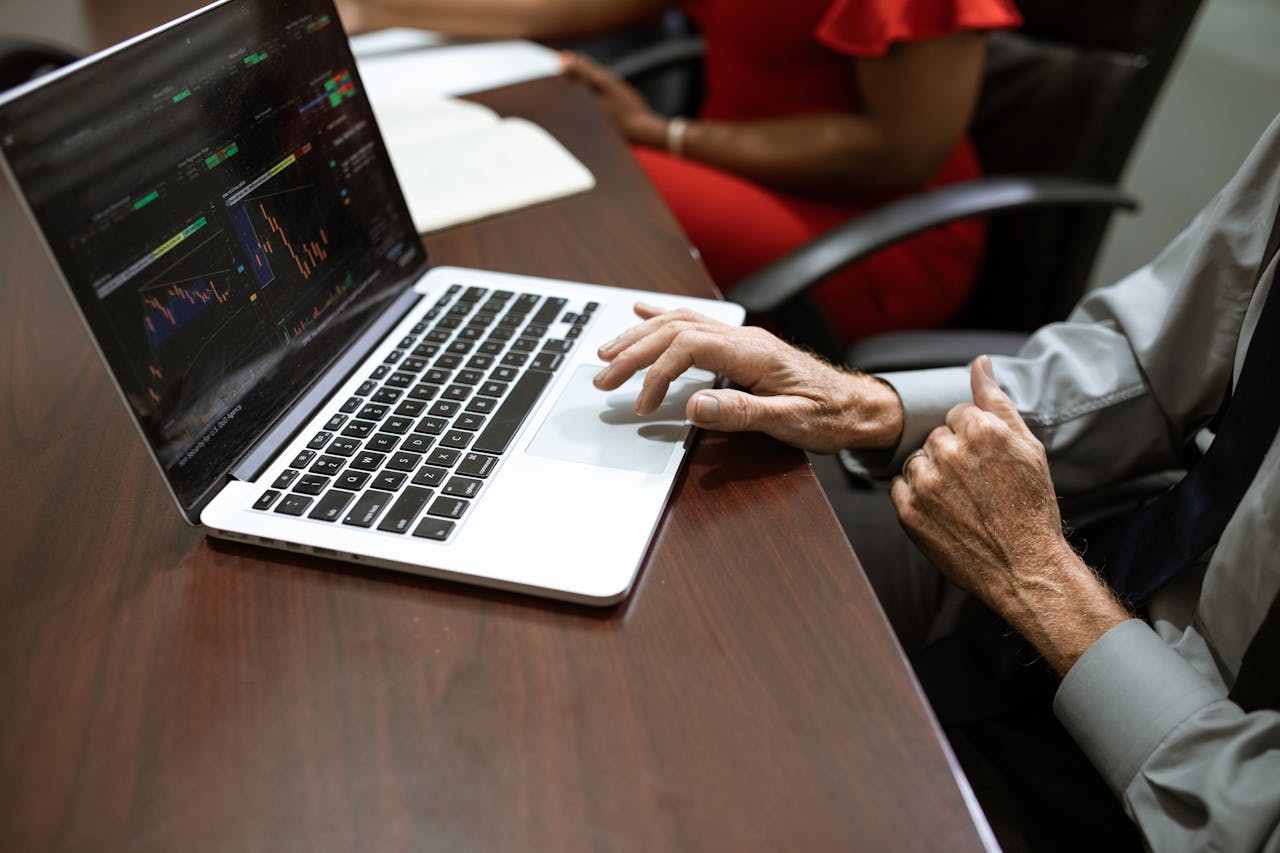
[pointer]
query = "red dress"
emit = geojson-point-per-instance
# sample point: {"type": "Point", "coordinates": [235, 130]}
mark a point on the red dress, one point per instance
{"type": "Point", "coordinates": [767, 58]}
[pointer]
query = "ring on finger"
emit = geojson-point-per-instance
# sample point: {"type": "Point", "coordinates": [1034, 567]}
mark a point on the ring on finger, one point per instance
{"type": "Point", "coordinates": [906, 463]}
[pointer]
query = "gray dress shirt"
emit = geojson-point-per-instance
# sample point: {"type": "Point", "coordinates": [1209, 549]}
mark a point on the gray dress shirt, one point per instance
{"type": "Point", "coordinates": [1115, 392]}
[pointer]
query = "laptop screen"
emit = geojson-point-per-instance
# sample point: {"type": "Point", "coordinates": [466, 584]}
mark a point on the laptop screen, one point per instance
{"type": "Point", "coordinates": [220, 202]}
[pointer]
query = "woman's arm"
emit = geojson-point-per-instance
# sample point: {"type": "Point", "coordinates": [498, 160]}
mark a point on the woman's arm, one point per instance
{"type": "Point", "coordinates": [916, 104]}
{"type": "Point", "coordinates": [917, 101]}
{"type": "Point", "coordinates": [498, 18]}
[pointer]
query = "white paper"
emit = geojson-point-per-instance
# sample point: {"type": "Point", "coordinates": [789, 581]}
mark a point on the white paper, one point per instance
{"type": "Point", "coordinates": [393, 62]}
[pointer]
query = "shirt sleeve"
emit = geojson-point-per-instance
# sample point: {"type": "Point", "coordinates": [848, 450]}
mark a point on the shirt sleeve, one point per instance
{"type": "Point", "coordinates": [869, 27]}
{"type": "Point", "coordinates": [1193, 770]}
{"type": "Point", "coordinates": [1106, 391]}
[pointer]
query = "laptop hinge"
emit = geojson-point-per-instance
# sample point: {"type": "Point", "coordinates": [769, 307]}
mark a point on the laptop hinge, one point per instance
{"type": "Point", "coordinates": [269, 446]}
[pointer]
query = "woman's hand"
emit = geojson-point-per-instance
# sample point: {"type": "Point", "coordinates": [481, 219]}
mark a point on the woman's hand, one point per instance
{"type": "Point", "coordinates": [625, 105]}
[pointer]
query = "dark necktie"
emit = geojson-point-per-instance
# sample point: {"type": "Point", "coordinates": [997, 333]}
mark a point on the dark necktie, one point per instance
{"type": "Point", "coordinates": [984, 668]}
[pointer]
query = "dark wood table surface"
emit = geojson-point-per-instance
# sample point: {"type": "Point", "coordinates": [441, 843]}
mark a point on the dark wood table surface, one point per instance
{"type": "Point", "coordinates": [162, 691]}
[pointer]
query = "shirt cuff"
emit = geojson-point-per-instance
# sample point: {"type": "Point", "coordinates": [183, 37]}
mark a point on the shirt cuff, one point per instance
{"type": "Point", "coordinates": [1124, 696]}
{"type": "Point", "coordinates": [927, 396]}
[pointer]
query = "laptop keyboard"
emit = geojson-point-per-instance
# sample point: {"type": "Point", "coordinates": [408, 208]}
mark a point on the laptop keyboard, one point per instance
{"type": "Point", "coordinates": [411, 449]}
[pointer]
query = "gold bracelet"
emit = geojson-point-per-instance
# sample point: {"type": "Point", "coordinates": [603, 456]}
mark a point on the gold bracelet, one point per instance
{"type": "Point", "coordinates": [676, 128]}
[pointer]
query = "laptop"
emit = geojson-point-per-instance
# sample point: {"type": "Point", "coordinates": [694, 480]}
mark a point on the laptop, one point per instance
{"type": "Point", "coordinates": [221, 207]}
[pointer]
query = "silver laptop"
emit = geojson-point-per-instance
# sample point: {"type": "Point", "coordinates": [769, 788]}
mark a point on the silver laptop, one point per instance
{"type": "Point", "coordinates": [220, 205]}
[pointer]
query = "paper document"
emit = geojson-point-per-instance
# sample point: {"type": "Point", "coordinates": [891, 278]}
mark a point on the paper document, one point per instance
{"type": "Point", "coordinates": [426, 63]}
{"type": "Point", "coordinates": [458, 161]}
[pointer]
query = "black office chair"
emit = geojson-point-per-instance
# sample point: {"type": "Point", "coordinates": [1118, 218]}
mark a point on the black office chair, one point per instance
{"type": "Point", "coordinates": [21, 61]}
{"type": "Point", "coordinates": [1063, 100]}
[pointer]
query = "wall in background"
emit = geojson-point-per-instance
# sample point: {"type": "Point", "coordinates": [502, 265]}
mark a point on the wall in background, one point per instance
{"type": "Point", "coordinates": [1223, 92]}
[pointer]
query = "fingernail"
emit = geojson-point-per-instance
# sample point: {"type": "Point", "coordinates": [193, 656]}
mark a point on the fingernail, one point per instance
{"type": "Point", "coordinates": [600, 376]}
{"type": "Point", "coordinates": [707, 408]}
{"type": "Point", "coordinates": [604, 348]}
{"type": "Point", "coordinates": [986, 366]}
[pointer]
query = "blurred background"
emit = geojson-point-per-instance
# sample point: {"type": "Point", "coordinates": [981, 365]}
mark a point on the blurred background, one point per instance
{"type": "Point", "coordinates": [1224, 89]}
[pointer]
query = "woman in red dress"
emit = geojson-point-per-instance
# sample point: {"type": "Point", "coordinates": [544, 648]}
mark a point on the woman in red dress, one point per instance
{"type": "Point", "coordinates": [815, 111]}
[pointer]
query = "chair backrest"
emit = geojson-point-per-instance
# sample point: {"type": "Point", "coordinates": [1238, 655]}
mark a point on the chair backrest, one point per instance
{"type": "Point", "coordinates": [1066, 95]}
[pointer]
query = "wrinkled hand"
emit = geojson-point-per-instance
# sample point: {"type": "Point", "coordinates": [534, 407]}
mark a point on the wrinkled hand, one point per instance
{"type": "Point", "coordinates": [624, 104]}
{"type": "Point", "coordinates": [793, 396]}
{"type": "Point", "coordinates": [979, 501]}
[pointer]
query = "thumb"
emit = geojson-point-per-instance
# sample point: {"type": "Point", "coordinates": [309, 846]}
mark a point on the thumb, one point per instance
{"type": "Point", "coordinates": [990, 397]}
{"type": "Point", "coordinates": [729, 410]}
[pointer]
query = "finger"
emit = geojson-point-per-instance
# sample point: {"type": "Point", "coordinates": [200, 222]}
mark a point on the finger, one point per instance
{"type": "Point", "coordinates": [730, 410]}
{"type": "Point", "coordinates": [657, 320]}
{"type": "Point", "coordinates": [684, 347]}
{"type": "Point", "coordinates": [990, 397]}
{"type": "Point", "coordinates": [958, 414]}
{"type": "Point", "coordinates": [587, 70]}
{"type": "Point", "coordinates": [900, 494]}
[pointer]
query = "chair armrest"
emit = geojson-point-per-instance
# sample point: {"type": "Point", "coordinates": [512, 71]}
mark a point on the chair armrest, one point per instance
{"type": "Point", "coordinates": [672, 51]}
{"type": "Point", "coordinates": [933, 348]}
{"type": "Point", "coordinates": [21, 60]}
{"type": "Point", "coordinates": [791, 275]}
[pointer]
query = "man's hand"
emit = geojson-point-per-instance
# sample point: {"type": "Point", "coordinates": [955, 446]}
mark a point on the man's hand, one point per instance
{"type": "Point", "coordinates": [628, 108]}
{"type": "Point", "coordinates": [793, 396]}
{"type": "Point", "coordinates": [979, 501]}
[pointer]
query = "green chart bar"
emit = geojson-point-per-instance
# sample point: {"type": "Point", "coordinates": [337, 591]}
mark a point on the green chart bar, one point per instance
{"type": "Point", "coordinates": [146, 200]}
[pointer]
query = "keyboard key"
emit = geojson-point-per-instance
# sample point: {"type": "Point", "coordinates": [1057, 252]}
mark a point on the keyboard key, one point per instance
{"type": "Point", "coordinates": [413, 365]}
{"type": "Point", "coordinates": [406, 342]}
{"type": "Point", "coordinates": [425, 350]}
{"type": "Point", "coordinates": [358, 429]}
{"type": "Point", "coordinates": [431, 425]}
{"type": "Point", "coordinates": [591, 307]}
{"type": "Point", "coordinates": [330, 507]}
{"type": "Point", "coordinates": [398, 425]}
{"type": "Point", "coordinates": [378, 372]}
{"type": "Point", "coordinates": [462, 487]}
{"type": "Point", "coordinates": [386, 396]}
{"type": "Point", "coordinates": [382, 443]}
{"type": "Point", "coordinates": [389, 481]}
{"type": "Point", "coordinates": [368, 461]}
{"type": "Point", "coordinates": [447, 507]}
{"type": "Point", "coordinates": [374, 412]}
{"type": "Point", "coordinates": [366, 387]}
{"type": "Point", "coordinates": [444, 409]}
{"type": "Point", "coordinates": [320, 440]}
{"type": "Point", "coordinates": [353, 480]}
{"type": "Point", "coordinates": [504, 374]}
{"type": "Point", "coordinates": [439, 336]}
{"type": "Point", "coordinates": [351, 405]}
{"type": "Point", "coordinates": [403, 461]}
{"type": "Point", "coordinates": [443, 456]}
{"type": "Point", "coordinates": [437, 377]}
{"type": "Point", "coordinates": [515, 359]}
{"type": "Point", "coordinates": [488, 348]}
{"type": "Point", "coordinates": [424, 392]}
{"type": "Point", "coordinates": [469, 421]}
{"type": "Point", "coordinates": [417, 443]}
{"type": "Point", "coordinates": [410, 408]}
{"type": "Point", "coordinates": [303, 459]}
{"type": "Point", "coordinates": [405, 510]}
{"type": "Point", "coordinates": [457, 438]}
{"type": "Point", "coordinates": [523, 345]}
{"type": "Point", "coordinates": [550, 310]}
{"type": "Point", "coordinates": [482, 405]}
{"type": "Point", "coordinates": [294, 504]}
{"type": "Point", "coordinates": [368, 508]}
{"type": "Point", "coordinates": [284, 478]}
{"type": "Point", "coordinates": [560, 346]}
{"type": "Point", "coordinates": [458, 348]}
{"type": "Point", "coordinates": [434, 528]}
{"type": "Point", "coordinates": [393, 357]}
{"type": "Point", "coordinates": [344, 446]}
{"type": "Point", "coordinates": [546, 361]}
{"type": "Point", "coordinates": [477, 464]}
{"type": "Point", "coordinates": [334, 423]}
{"type": "Point", "coordinates": [400, 380]}
{"type": "Point", "coordinates": [457, 392]}
{"type": "Point", "coordinates": [311, 484]}
{"type": "Point", "coordinates": [511, 414]}
{"type": "Point", "coordinates": [268, 498]}
{"type": "Point", "coordinates": [501, 335]}
{"type": "Point", "coordinates": [328, 465]}
{"type": "Point", "coordinates": [448, 362]}
{"type": "Point", "coordinates": [429, 476]}
{"type": "Point", "coordinates": [535, 331]}
{"type": "Point", "coordinates": [493, 389]}
{"type": "Point", "coordinates": [473, 294]}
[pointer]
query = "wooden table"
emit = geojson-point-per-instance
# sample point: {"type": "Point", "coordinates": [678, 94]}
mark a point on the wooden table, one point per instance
{"type": "Point", "coordinates": [161, 691]}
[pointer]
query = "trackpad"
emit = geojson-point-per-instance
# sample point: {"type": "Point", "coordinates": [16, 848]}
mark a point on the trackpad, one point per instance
{"type": "Point", "coordinates": [600, 427]}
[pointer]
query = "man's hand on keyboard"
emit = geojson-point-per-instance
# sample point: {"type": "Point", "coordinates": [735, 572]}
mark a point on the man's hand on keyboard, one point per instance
{"type": "Point", "coordinates": [791, 395]}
